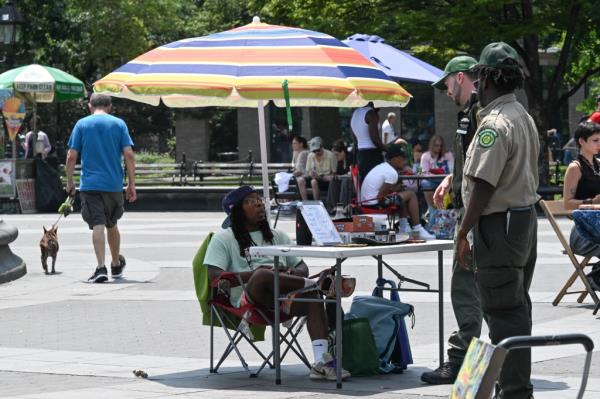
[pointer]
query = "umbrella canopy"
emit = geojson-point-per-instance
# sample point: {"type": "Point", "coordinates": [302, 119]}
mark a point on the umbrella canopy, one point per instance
{"type": "Point", "coordinates": [246, 66]}
{"type": "Point", "coordinates": [395, 63]}
{"type": "Point", "coordinates": [45, 84]}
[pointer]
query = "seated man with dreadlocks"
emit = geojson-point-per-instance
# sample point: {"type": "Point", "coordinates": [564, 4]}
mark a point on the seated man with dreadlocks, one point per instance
{"type": "Point", "coordinates": [245, 226]}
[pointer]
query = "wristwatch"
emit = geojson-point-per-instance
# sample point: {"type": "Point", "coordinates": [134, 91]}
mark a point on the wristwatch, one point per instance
{"type": "Point", "coordinates": [587, 201]}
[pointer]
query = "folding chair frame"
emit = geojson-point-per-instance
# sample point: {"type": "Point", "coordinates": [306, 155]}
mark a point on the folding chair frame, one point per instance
{"type": "Point", "coordinates": [552, 208]}
{"type": "Point", "coordinates": [289, 338]}
{"type": "Point", "coordinates": [291, 195]}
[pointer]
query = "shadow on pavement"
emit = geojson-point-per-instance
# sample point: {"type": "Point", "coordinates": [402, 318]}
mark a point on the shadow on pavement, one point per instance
{"type": "Point", "coordinates": [294, 379]}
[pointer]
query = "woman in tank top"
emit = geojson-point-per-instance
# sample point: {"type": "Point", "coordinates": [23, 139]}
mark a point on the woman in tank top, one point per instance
{"type": "Point", "coordinates": [582, 186]}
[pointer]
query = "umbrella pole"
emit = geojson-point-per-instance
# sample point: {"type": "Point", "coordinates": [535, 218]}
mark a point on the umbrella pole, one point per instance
{"type": "Point", "coordinates": [263, 157]}
{"type": "Point", "coordinates": [35, 126]}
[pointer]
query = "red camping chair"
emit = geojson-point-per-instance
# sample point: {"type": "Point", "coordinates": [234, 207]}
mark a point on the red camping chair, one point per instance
{"type": "Point", "coordinates": [359, 207]}
{"type": "Point", "coordinates": [244, 319]}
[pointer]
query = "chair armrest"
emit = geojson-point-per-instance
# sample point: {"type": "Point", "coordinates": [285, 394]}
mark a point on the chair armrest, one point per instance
{"type": "Point", "coordinates": [223, 276]}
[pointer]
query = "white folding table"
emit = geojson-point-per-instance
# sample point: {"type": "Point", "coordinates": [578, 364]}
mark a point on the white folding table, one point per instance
{"type": "Point", "coordinates": [340, 254]}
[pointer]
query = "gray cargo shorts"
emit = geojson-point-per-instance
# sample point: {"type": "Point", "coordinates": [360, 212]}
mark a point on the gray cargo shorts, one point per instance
{"type": "Point", "coordinates": [99, 208]}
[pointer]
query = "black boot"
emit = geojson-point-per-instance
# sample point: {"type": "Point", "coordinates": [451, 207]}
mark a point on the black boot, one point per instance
{"type": "Point", "coordinates": [445, 374]}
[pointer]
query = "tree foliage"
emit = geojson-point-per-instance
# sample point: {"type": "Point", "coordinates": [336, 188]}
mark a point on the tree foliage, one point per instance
{"type": "Point", "coordinates": [90, 38]}
{"type": "Point", "coordinates": [563, 33]}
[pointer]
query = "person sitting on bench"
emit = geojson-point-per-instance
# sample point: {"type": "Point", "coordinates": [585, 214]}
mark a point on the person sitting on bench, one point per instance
{"type": "Point", "coordinates": [320, 170]}
{"type": "Point", "coordinates": [245, 226]}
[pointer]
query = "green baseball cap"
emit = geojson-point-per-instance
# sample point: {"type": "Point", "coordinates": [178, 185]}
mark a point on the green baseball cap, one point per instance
{"type": "Point", "coordinates": [494, 54]}
{"type": "Point", "coordinates": [461, 63]}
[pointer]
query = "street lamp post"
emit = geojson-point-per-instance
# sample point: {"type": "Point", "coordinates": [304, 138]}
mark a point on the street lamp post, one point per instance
{"type": "Point", "coordinates": [11, 21]}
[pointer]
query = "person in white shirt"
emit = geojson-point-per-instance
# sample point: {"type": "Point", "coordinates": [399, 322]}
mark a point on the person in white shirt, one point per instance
{"type": "Point", "coordinates": [387, 129]}
{"type": "Point", "coordinates": [382, 180]}
{"type": "Point", "coordinates": [365, 132]}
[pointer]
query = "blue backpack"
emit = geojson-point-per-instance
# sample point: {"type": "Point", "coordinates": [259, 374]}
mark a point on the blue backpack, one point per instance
{"type": "Point", "coordinates": [386, 318]}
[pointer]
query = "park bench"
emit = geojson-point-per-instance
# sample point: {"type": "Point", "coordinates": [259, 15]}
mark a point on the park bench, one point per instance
{"type": "Point", "coordinates": [153, 174]}
{"type": "Point", "coordinates": [160, 173]}
{"type": "Point", "coordinates": [206, 173]}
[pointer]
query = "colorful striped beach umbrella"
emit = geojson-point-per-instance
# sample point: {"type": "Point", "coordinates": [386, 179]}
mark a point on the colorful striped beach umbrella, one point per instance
{"type": "Point", "coordinates": [246, 67]}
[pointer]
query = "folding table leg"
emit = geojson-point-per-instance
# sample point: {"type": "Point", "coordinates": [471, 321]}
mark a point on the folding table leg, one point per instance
{"type": "Point", "coordinates": [441, 304]}
{"type": "Point", "coordinates": [276, 338]}
{"type": "Point", "coordinates": [338, 322]}
{"type": "Point", "coordinates": [212, 342]}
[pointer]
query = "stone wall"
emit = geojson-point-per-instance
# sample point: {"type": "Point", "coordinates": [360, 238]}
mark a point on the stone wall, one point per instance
{"type": "Point", "coordinates": [248, 132]}
{"type": "Point", "coordinates": [192, 138]}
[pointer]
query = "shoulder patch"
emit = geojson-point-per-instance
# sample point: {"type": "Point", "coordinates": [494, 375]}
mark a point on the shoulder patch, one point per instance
{"type": "Point", "coordinates": [487, 138]}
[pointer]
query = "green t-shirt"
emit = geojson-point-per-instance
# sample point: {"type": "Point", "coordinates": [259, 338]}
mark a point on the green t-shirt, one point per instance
{"type": "Point", "coordinates": [224, 252]}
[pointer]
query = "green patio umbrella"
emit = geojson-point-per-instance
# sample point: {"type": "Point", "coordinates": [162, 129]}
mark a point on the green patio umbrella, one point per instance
{"type": "Point", "coordinates": [41, 84]}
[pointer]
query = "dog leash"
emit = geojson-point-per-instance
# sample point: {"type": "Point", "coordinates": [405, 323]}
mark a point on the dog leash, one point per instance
{"type": "Point", "coordinates": [64, 209]}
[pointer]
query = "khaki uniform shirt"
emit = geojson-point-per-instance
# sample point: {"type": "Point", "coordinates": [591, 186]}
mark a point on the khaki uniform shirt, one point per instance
{"type": "Point", "coordinates": [324, 166]}
{"type": "Point", "coordinates": [504, 153]}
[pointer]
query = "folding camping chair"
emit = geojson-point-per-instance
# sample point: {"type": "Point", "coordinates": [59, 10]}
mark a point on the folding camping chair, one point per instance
{"type": "Point", "coordinates": [556, 208]}
{"type": "Point", "coordinates": [248, 322]}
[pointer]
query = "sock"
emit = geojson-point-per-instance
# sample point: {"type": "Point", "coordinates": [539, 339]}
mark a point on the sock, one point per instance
{"type": "Point", "coordinates": [319, 348]}
{"type": "Point", "coordinates": [308, 282]}
{"type": "Point", "coordinates": [417, 226]}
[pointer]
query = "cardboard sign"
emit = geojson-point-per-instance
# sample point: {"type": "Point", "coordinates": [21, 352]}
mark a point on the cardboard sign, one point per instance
{"type": "Point", "coordinates": [7, 178]}
{"type": "Point", "coordinates": [319, 223]}
{"type": "Point", "coordinates": [359, 223]}
{"type": "Point", "coordinates": [26, 194]}
{"type": "Point", "coordinates": [479, 371]}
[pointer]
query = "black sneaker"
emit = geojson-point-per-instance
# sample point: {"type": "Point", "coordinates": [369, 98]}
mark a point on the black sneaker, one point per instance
{"type": "Point", "coordinates": [117, 271]}
{"type": "Point", "coordinates": [100, 275]}
{"type": "Point", "coordinates": [445, 374]}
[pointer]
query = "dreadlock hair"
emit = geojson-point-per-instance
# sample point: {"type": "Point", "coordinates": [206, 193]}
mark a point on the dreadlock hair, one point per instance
{"type": "Point", "coordinates": [242, 235]}
{"type": "Point", "coordinates": [506, 78]}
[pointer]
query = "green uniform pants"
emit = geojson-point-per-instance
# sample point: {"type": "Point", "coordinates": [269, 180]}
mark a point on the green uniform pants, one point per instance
{"type": "Point", "coordinates": [465, 303]}
{"type": "Point", "coordinates": [505, 251]}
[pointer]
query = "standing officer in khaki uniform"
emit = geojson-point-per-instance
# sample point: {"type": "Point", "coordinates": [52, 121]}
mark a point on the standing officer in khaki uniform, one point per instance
{"type": "Point", "coordinates": [458, 83]}
{"type": "Point", "coordinates": [499, 190]}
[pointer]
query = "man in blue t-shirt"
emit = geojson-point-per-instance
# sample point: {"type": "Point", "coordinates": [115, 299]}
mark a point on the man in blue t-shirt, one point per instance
{"type": "Point", "coordinates": [100, 139]}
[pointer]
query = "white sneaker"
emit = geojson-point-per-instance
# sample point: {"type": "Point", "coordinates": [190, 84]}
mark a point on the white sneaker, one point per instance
{"type": "Point", "coordinates": [403, 226]}
{"type": "Point", "coordinates": [424, 234]}
{"type": "Point", "coordinates": [325, 369]}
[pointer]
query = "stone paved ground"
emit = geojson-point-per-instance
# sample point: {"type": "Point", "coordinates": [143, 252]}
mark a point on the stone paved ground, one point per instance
{"type": "Point", "coordinates": [63, 338]}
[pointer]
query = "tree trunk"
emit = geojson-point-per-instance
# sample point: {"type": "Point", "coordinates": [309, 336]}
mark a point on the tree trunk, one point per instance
{"type": "Point", "coordinates": [540, 116]}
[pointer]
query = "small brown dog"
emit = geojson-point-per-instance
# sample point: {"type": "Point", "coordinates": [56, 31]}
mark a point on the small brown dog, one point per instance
{"type": "Point", "coordinates": [49, 247]}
